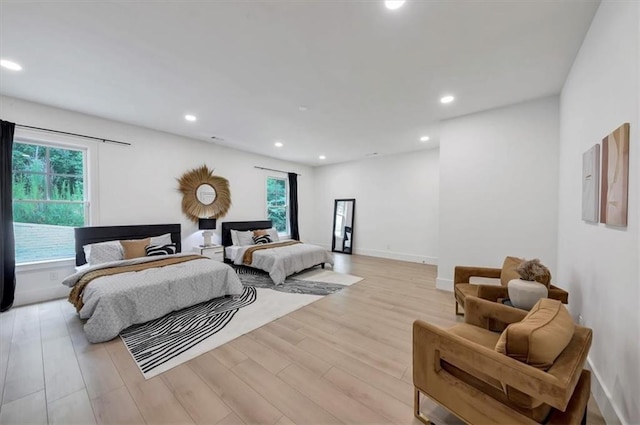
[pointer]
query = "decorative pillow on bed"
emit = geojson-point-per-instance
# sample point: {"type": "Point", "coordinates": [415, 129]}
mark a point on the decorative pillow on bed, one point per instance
{"type": "Point", "coordinates": [161, 240]}
{"type": "Point", "coordinates": [167, 249]}
{"type": "Point", "coordinates": [245, 238]}
{"type": "Point", "coordinates": [103, 252]}
{"type": "Point", "coordinates": [273, 234]}
{"type": "Point", "coordinates": [262, 239]}
{"type": "Point", "coordinates": [135, 248]}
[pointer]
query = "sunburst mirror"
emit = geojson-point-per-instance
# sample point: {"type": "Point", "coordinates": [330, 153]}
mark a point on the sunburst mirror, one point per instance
{"type": "Point", "coordinates": [203, 194]}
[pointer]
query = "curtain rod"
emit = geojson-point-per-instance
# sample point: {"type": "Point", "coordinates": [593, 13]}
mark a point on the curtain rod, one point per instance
{"type": "Point", "coordinates": [271, 169]}
{"type": "Point", "coordinates": [75, 134]}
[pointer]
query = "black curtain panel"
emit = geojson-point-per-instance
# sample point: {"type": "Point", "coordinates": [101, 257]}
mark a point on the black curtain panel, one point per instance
{"type": "Point", "coordinates": [7, 248]}
{"type": "Point", "coordinates": [293, 206]}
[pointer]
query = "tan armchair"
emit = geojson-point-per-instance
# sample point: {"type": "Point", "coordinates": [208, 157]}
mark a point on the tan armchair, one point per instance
{"type": "Point", "coordinates": [460, 369]}
{"type": "Point", "coordinates": [462, 287]}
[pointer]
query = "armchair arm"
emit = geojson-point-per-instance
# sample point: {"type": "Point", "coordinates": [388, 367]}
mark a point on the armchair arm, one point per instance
{"type": "Point", "coordinates": [558, 294]}
{"type": "Point", "coordinates": [463, 273]}
{"type": "Point", "coordinates": [432, 344]}
{"type": "Point", "coordinates": [492, 292]}
{"type": "Point", "coordinates": [480, 312]}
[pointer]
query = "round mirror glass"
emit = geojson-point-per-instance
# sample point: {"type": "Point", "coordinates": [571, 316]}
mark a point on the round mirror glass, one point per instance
{"type": "Point", "coordinates": [206, 194]}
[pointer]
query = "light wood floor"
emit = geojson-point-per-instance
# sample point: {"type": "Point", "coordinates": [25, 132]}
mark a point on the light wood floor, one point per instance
{"type": "Point", "coordinates": [343, 359]}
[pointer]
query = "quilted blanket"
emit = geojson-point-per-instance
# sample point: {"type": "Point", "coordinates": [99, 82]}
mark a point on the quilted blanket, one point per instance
{"type": "Point", "coordinates": [115, 302]}
{"type": "Point", "coordinates": [282, 261]}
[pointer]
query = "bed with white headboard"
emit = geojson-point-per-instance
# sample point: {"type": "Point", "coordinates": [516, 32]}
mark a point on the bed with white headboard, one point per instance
{"type": "Point", "coordinates": [278, 258]}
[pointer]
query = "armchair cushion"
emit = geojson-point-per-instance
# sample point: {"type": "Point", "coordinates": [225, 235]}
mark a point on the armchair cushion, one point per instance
{"type": "Point", "coordinates": [509, 272]}
{"type": "Point", "coordinates": [540, 337]}
{"type": "Point", "coordinates": [463, 290]}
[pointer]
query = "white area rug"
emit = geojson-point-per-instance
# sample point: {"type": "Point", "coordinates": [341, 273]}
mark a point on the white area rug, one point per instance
{"type": "Point", "coordinates": [164, 343]}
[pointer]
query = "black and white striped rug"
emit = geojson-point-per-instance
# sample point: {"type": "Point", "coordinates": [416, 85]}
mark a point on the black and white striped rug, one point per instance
{"type": "Point", "coordinates": [164, 343]}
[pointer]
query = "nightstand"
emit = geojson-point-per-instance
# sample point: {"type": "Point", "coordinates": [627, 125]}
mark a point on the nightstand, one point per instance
{"type": "Point", "coordinates": [215, 252]}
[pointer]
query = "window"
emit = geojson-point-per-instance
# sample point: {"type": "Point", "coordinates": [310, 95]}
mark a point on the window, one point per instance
{"type": "Point", "coordinates": [278, 203]}
{"type": "Point", "coordinates": [49, 200]}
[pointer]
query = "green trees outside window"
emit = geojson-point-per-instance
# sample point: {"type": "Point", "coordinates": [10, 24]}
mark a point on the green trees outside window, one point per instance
{"type": "Point", "coordinates": [48, 189]}
{"type": "Point", "coordinates": [277, 203]}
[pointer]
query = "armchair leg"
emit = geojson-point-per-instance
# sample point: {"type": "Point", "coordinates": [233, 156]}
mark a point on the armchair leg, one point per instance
{"type": "Point", "coordinates": [458, 312]}
{"type": "Point", "coordinates": [416, 407]}
{"type": "Point", "coordinates": [584, 417]}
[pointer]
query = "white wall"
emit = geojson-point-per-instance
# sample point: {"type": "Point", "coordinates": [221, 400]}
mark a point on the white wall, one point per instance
{"type": "Point", "coordinates": [137, 184]}
{"type": "Point", "coordinates": [498, 187]}
{"type": "Point", "coordinates": [396, 213]}
{"type": "Point", "coordinates": [600, 263]}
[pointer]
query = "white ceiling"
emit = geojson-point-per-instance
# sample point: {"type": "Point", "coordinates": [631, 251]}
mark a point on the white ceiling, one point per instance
{"type": "Point", "coordinates": [371, 78]}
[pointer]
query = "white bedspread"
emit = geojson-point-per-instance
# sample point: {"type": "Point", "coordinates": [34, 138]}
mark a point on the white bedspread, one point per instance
{"type": "Point", "coordinates": [283, 261]}
{"type": "Point", "coordinates": [113, 303]}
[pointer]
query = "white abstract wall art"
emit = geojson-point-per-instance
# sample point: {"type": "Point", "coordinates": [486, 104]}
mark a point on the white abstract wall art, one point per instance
{"type": "Point", "coordinates": [590, 184]}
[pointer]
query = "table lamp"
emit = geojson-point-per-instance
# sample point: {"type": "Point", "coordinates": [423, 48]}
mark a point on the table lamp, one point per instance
{"type": "Point", "coordinates": [207, 224]}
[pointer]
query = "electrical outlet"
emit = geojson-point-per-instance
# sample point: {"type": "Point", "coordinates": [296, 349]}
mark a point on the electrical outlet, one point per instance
{"type": "Point", "coordinates": [53, 276]}
{"type": "Point", "coordinates": [580, 319]}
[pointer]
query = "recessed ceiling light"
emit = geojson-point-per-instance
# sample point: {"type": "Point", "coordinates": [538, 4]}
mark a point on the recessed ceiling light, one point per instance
{"type": "Point", "coordinates": [278, 144]}
{"type": "Point", "coordinates": [322, 157]}
{"type": "Point", "coordinates": [394, 4]}
{"type": "Point", "coordinates": [189, 117]}
{"type": "Point", "coordinates": [424, 139]}
{"type": "Point", "coordinates": [10, 65]}
{"type": "Point", "coordinates": [447, 99]}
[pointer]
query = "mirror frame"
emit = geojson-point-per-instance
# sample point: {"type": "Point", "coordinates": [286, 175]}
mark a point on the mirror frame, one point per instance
{"type": "Point", "coordinates": [191, 206]}
{"type": "Point", "coordinates": [333, 228]}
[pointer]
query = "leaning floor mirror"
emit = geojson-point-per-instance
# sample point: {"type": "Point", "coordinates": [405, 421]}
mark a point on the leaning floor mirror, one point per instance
{"type": "Point", "coordinates": [343, 213]}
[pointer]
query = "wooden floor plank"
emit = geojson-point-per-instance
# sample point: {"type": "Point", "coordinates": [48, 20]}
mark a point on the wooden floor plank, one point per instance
{"type": "Point", "coordinates": [245, 402]}
{"type": "Point", "coordinates": [7, 320]}
{"type": "Point", "coordinates": [390, 385]}
{"type": "Point", "coordinates": [263, 355]}
{"type": "Point", "coordinates": [25, 372]}
{"type": "Point", "coordinates": [231, 419]}
{"type": "Point", "coordinates": [99, 373]}
{"type": "Point", "coordinates": [61, 371]}
{"type": "Point", "coordinates": [73, 409]}
{"type": "Point", "coordinates": [371, 397]}
{"type": "Point", "coordinates": [284, 397]}
{"type": "Point", "coordinates": [203, 405]}
{"type": "Point", "coordinates": [329, 397]}
{"type": "Point", "coordinates": [116, 408]}
{"type": "Point", "coordinates": [290, 351]}
{"type": "Point", "coordinates": [31, 409]}
{"type": "Point", "coordinates": [157, 403]}
{"type": "Point", "coordinates": [228, 355]}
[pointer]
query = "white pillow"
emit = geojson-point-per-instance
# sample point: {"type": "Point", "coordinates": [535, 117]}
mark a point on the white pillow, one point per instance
{"type": "Point", "coordinates": [273, 234]}
{"type": "Point", "coordinates": [245, 238]}
{"type": "Point", "coordinates": [161, 240]}
{"type": "Point", "coordinates": [103, 252]}
{"type": "Point", "coordinates": [234, 238]}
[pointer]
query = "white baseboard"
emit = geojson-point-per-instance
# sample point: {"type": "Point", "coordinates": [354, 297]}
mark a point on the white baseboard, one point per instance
{"type": "Point", "coordinates": [602, 396]}
{"type": "Point", "coordinates": [444, 284]}
{"type": "Point", "coordinates": [412, 258]}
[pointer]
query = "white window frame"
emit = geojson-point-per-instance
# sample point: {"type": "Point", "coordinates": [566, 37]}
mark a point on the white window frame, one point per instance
{"type": "Point", "coordinates": [287, 233]}
{"type": "Point", "coordinates": [90, 172]}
